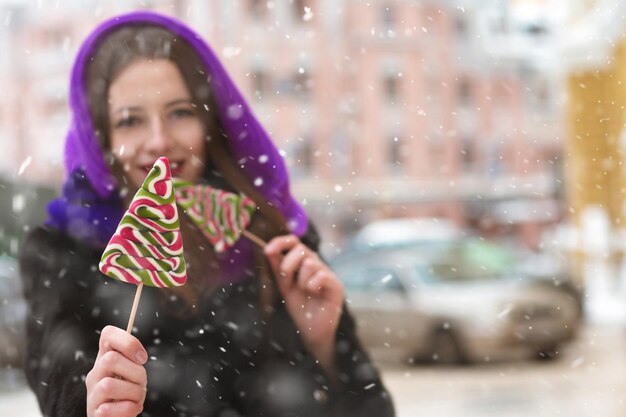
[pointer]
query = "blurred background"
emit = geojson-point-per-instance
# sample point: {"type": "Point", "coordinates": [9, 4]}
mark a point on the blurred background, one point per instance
{"type": "Point", "coordinates": [463, 160]}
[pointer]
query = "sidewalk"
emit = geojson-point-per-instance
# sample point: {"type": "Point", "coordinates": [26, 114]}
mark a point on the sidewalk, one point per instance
{"type": "Point", "coordinates": [589, 380]}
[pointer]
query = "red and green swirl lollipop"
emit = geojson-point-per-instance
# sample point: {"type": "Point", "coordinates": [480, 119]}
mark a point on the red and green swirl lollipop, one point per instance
{"type": "Point", "coordinates": [222, 216]}
{"type": "Point", "coordinates": [147, 247]}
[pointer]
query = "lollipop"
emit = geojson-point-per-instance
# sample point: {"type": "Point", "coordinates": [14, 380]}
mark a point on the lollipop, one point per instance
{"type": "Point", "coordinates": [147, 247]}
{"type": "Point", "coordinates": [220, 215]}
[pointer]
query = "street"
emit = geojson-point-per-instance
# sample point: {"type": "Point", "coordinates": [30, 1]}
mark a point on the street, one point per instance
{"type": "Point", "coordinates": [589, 380]}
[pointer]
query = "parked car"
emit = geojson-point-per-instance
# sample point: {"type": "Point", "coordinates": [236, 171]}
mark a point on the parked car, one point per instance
{"type": "Point", "coordinates": [12, 314]}
{"type": "Point", "coordinates": [463, 301]}
{"type": "Point", "coordinates": [433, 233]}
{"type": "Point", "coordinates": [403, 232]}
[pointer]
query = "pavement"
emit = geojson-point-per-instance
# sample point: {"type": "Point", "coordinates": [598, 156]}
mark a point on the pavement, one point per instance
{"type": "Point", "coordinates": [588, 380]}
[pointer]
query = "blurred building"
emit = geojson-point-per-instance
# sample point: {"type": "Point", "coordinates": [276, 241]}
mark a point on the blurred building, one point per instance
{"type": "Point", "coordinates": [383, 108]}
{"type": "Point", "coordinates": [595, 54]}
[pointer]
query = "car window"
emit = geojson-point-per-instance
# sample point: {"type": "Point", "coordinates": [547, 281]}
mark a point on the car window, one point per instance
{"type": "Point", "coordinates": [471, 260]}
{"type": "Point", "coordinates": [369, 278]}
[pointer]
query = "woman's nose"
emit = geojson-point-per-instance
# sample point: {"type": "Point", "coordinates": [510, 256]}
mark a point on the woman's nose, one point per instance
{"type": "Point", "coordinates": [159, 139]}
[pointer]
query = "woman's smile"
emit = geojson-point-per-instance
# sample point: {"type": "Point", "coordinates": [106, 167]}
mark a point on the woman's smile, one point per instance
{"type": "Point", "coordinates": [176, 166]}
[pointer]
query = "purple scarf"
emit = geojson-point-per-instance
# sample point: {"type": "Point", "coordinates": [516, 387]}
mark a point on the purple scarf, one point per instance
{"type": "Point", "coordinates": [89, 208]}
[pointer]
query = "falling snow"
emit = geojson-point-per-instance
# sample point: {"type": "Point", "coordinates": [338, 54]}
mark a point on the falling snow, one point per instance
{"type": "Point", "coordinates": [493, 119]}
{"type": "Point", "coordinates": [25, 164]}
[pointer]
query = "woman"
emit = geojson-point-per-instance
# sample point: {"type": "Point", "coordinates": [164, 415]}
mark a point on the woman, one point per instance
{"type": "Point", "coordinates": [254, 332]}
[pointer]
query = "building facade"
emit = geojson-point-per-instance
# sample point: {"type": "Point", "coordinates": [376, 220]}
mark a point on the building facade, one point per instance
{"type": "Point", "coordinates": [382, 108]}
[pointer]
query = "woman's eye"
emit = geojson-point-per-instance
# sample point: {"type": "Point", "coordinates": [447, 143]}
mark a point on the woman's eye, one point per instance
{"type": "Point", "coordinates": [183, 112]}
{"type": "Point", "coordinates": [129, 121]}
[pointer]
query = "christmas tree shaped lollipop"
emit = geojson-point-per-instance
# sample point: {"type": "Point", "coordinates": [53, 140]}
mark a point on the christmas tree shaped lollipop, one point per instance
{"type": "Point", "coordinates": [220, 215]}
{"type": "Point", "coordinates": [147, 247]}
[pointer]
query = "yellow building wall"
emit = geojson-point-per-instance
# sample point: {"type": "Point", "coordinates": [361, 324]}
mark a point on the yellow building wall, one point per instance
{"type": "Point", "coordinates": [594, 166]}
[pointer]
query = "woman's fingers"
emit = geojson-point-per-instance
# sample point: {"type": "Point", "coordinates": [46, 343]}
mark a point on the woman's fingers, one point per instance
{"type": "Point", "coordinates": [116, 385]}
{"type": "Point", "coordinates": [114, 364]}
{"type": "Point", "coordinates": [114, 338]}
{"type": "Point", "coordinates": [274, 252]}
{"type": "Point", "coordinates": [279, 244]}
{"type": "Point", "coordinates": [326, 281]}
{"type": "Point", "coordinates": [299, 265]}
{"type": "Point", "coordinates": [310, 266]}
{"type": "Point", "coordinates": [113, 390]}
{"type": "Point", "coordinates": [286, 254]}
{"type": "Point", "coordinates": [292, 262]}
{"type": "Point", "coordinates": [277, 250]}
{"type": "Point", "coordinates": [119, 409]}
{"type": "Point", "coordinates": [321, 280]}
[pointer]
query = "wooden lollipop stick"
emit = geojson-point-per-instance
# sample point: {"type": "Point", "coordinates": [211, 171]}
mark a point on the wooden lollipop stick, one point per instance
{"type": "Point", "coordinates": [254, 238]}
{"type": "Point", "coordinates": [133, 311]}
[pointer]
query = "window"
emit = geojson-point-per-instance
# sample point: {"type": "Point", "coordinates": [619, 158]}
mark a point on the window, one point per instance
{"type": "Point", "coordinates": [340, 152]}
{"type": "Point", "coordinates": [260, 82]}
{"type": "Point", "coordinates": [472, 260]}
{"type": "Point", "coordinates": [258, 8]}
{"type": "Point", "coordinates": [494, 160]}
{"type": "Point", "coordinates": [299, 156]}
{"type": "Point", "coordinates": [464, 92]}
{"type": "Point", "coordinates": [55, 36]}
{"type": "Point", "coordinates": [302, 83]}
{"type": "Point", "coordinates": [304, 154]}
{"type": "Point", "coordinates": [460, 24]}
{"type": "Point", "coordinates": [298, 7]}
{"type": "Point", "coordinates": [284, 85]}
{"type": "Point", "coordinates": [387, 16]}
{"type": "Point", "coordinates": [468, 157]}
{"type": "Point", "coordinates": [391, 87]}
{"type": "Point", "coordinates": [374, 278]}
{"type": "Point", "coordinates": [396, 154]}
{"type": "Point", "coordinates": [536, 29]}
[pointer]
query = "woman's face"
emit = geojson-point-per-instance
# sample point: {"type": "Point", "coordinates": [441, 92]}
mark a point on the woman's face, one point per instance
{"type": "Point", "coordinates": [151, 115]}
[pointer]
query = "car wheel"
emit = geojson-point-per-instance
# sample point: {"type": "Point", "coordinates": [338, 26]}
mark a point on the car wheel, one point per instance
{"type": "Point", "coordinates": [446, 348]}
{"type": "Point", "coordinates": [547, 354]}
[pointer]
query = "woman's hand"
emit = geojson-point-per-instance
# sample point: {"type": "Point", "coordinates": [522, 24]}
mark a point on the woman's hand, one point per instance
{"type": "Point", "coordinates": [312, 293]}
{"type": "Point", "coordinates": [116, 385]}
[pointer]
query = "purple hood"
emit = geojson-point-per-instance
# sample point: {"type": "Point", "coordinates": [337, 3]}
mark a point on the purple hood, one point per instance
{"type": "Point", "coordinates": [89, 207]}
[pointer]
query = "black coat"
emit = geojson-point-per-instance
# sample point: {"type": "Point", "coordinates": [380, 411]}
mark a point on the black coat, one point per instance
{"type": "Point", "coordinates": [225, 361]}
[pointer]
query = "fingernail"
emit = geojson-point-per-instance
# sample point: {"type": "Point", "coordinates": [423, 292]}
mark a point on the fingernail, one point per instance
{"type": "Point", "coordinates": [141, 356]}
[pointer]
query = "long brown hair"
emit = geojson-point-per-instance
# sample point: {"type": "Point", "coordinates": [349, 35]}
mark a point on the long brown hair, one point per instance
{"type": "Point", "coordinates": [116, 52]}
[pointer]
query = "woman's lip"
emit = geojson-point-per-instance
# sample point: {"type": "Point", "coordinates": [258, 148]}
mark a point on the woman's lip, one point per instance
{"type": "Point", "coordinates": [179, 168]}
